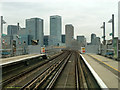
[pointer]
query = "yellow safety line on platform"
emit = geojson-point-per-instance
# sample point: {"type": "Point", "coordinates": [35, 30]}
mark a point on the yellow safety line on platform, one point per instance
{"type": "Point", "coordinates": [105, 63]}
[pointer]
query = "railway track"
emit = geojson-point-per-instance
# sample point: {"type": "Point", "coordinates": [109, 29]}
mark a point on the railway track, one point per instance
{"type": "Point", "coordinates": [51, 71]}
{"type": "Point", "coordinates": [68, 70]}
{"type": "Point", "coordinates": [84, 78]}
{"type": "Point", "coordinates": [73, 74]}
{"type": "Point", "coordinates": [7, 82]}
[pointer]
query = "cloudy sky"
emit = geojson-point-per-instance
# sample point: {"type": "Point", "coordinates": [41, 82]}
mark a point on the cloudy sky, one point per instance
{"type": "Point", "coordinates": [86, 16]}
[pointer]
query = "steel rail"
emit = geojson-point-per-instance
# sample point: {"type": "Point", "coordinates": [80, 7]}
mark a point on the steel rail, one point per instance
{"type": "Point", "coordinates": [82, 80]}
{"type": "Point", "coordinates": [44, 75]}
{"type": "Point", "coordinates": [9, 80]}
{"type": "Point", "coordinates": [31, 84]}
{"type": "Point", "coordinates": [55, 67]}
{"type": "Point", "coordinates": [50, 85]}
{"type": "Point", "coordinates": [77, 73]}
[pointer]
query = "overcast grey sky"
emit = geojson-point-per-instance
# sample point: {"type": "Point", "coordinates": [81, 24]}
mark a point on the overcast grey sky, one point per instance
{"type": "Point", "coordinates": [86, 16]}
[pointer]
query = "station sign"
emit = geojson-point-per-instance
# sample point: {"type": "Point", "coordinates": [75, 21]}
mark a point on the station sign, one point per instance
{"type": "Point", "coordinates": [42, 49]}
{"type": "Point", "coordinates": [82, 49]}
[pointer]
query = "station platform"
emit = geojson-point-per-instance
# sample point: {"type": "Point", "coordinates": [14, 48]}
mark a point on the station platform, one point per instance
{"type": "Point", "coordinates": [107, 69]}
{"type": "Point", "coordinates": [4, 61]}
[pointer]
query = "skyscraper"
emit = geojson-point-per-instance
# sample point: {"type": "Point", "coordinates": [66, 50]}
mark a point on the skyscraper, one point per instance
{"type": "Point", "coordinates": [46, 38]}
{"type": "Point", "coordinates": [93, 38]}
{"type": "Point", "coordinates": [23, 36]}
{"type": "Point", "coordinates": [12, 29]}
{"type": "Point", "coordinates": [69, 32]}
{"type": "Point", "coordinates": [55, 30]}
{"type": "Point", "coordinates": [82, 40]}
{"type": "Point", "coordinates": [63, 38]}
{"type": "Point", "coordinates": [97, 40]}
{"type": "Point", "coordinates": [34, 28]}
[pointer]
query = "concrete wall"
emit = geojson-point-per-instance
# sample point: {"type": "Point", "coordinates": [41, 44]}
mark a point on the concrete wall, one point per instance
{"type": "Point", "coordinates": [92, 49]}
{"type": "Point", "coordinates": [34, 49]}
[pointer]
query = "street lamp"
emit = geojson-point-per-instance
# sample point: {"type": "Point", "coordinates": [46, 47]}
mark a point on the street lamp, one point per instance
{"type": "Point", "coordinates": [112, 21]}
{"type": "Point", "coordinates": [103, 26]}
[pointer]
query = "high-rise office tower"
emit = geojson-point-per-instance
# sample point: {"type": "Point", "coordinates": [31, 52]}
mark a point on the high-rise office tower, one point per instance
{"type": "Point", "coordinates": [82, 40]}
{"type": "Point", "coordinates": [97, 40]}
{"type": "Point", "coordinates": [34, 29]}
{"type": "Point", "coordinates": [69, 32]}
{"type": "Point", "coordinates": [93, 38]}
{"type": "Point", "coordinates": [55, 30]}
{"type": "Point", "coordinates": [46, 38]}
{"type": "Point", "coordinates": [63, 38]}
{"type": "Point", "coordinates": [12, 29]}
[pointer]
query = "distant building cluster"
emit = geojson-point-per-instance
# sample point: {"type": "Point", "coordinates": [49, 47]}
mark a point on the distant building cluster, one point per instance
{"type": "Point", "coordinates": [33, 34]}
{"type": "Point", "coordinates": [95, 40]}
{"type": "Point", "coordinates": [94, 45]}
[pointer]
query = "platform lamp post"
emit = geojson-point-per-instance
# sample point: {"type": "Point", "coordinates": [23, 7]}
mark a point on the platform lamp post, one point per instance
{"type": "Point", "coordinates": [1, 23]}
{"type": "Point", "coordinates": [112, 21]}
{"type": "Point", "coordinates": [103, 26]}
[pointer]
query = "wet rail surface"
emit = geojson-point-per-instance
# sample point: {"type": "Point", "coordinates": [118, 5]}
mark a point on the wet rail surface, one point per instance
{"type": "Point", "coordinates": [66, 70]}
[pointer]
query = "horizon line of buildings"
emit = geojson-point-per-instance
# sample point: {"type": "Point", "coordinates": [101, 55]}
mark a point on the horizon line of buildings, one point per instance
{"type": "Point", "coordinates": [34, 32]}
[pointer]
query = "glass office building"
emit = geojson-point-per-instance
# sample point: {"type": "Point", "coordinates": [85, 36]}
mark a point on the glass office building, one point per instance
{"type": "Point", "coordinates": [55, 30]}
{"type": "Point", "coordinates": [34, 28]}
